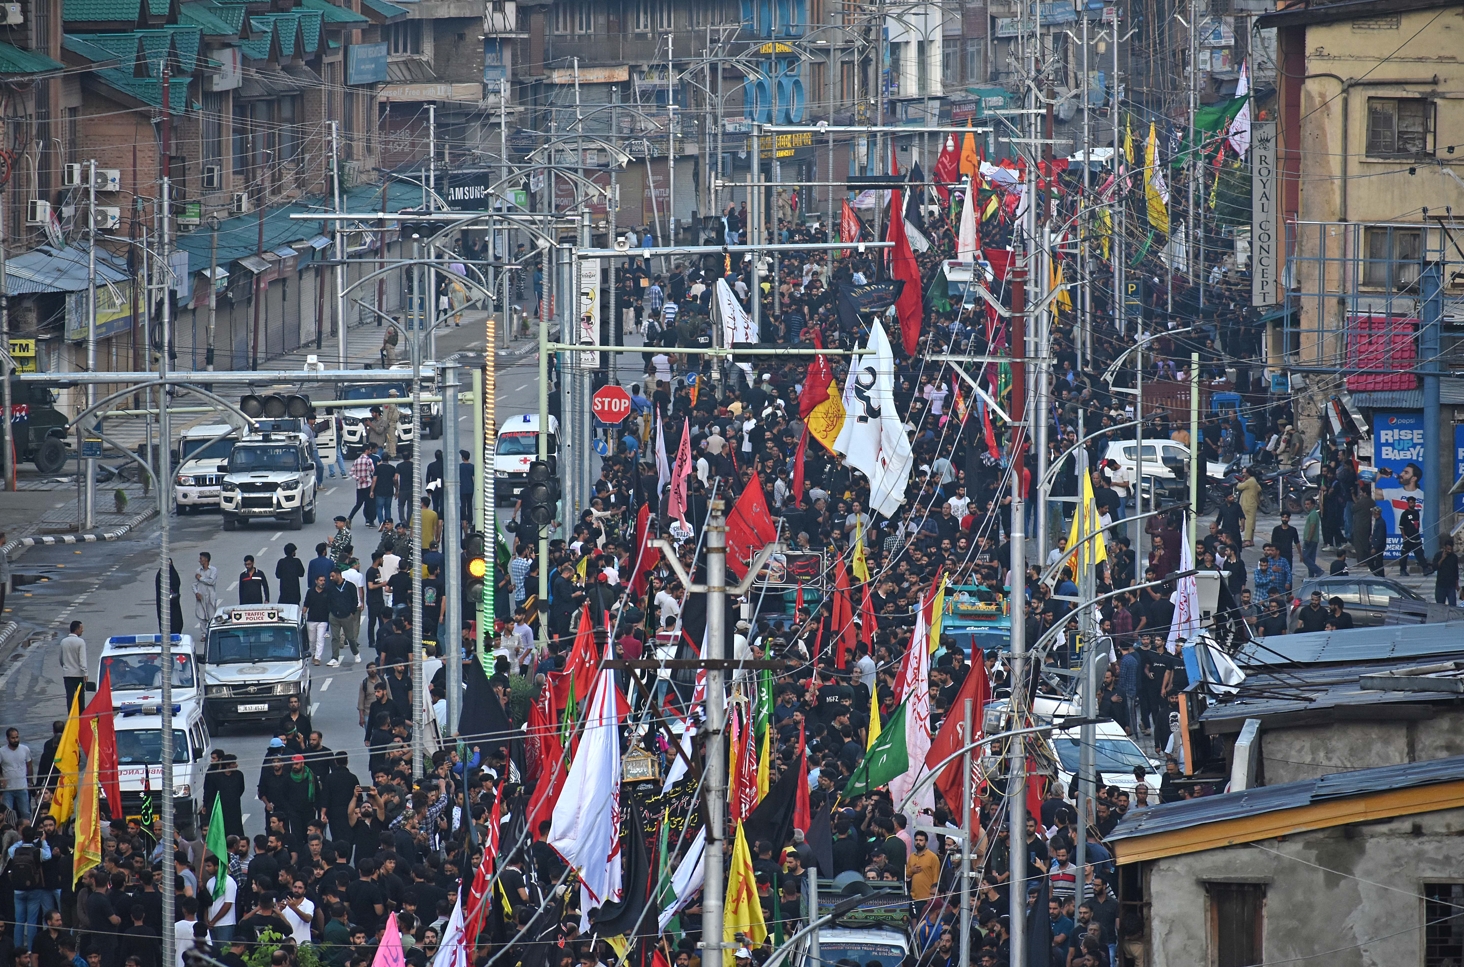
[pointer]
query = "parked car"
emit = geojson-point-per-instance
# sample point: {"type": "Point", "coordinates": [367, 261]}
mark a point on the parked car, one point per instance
{"type": "Point", "coordinates": [1365, 597]}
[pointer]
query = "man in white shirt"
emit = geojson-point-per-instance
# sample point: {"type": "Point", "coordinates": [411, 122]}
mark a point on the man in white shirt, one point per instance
{"type": "Point", "coordinates": [959, 504]}
{"type": "Point", "coordinates": [183, 929]}
{"type": "Point", "coordinates": [298, 910]}
{"type": "Point", "coordinates": [667, 605]}
{"type": "Point", "coordinates": [221, 911]}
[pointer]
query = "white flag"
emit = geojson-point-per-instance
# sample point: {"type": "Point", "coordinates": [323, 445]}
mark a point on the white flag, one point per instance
{"type": "Point", "coordinates": [687, 880]}
{"type": "Point", "coordinates": [1240, 125]}
{"type": "Point", "coordinates": [966, 235]}
{"type": "Point", "coordinates": [918, 242]}
{"type": "Point", "coordinates": [663, 466]}
{"type": "Point", "coordinates": [873, 439]}
{"type": "Point", "coordinates": [1186, 601]}
{"type": "Point", "coordinates": [585, 827]}
{"type": "Point", "coordinates": [451, 950]}
{"type": "Point", "coordinates": [736, 322]}
{"type": "Point", "coordinates": [913, 688]}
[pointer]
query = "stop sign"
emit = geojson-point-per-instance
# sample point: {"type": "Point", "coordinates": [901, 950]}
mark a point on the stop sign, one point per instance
{"type": "Point", "coordinates": [611, 404]}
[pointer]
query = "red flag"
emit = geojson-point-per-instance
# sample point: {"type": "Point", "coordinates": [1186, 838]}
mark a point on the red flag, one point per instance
{"type": "Point", "coordinates": [579, 670]}
{"type": "Point", "coordinates": [1036, 788]}
{"type": "Point", "coordinates": [866, 620]}
{"type": "Point", "coordinates": [910, 303]}
{"type": "Point", "coordinates": [1001, 260]}
{"type": "Point", "coordinates": [947, 168]}
{"type": "Point", "coordinates": [952, 736]}
{"type": "Point", "coordinates": [818, 642]}
{"type": "Point", "coordinates": [798, 600]}
{"type": "Point", "coordinates": [744, 790]}
{"type": "Point", "coordinates": [991, 446]}
{"type": "Point", "coordinates": [849, 225]}
{"type": "Point", "coordinates": [100, 708]}
{"type": "Point", "coordinates": [802, 814]}
{"type": "Point", "coordinates": [798, 459]}
{"type": "Point", "coordinates": [541, 738]}
{"type": "Point", "coordinates": [842, 617]}
{"type": "Point", "coordinates": [645, 555]}
{"type": "Point", "coordinates": [816, 384]}
{"type": "Point", "coordinates": [475, 906]}
{"type": "Point", "coordinates": [749, 527]}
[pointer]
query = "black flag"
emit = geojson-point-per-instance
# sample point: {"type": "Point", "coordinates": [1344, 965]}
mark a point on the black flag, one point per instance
{"type": "Point", "coordinates": [820, 839]}
{"type": "Point", "coordinates": [635, 914]}
{"type": "Point", "coordinates": [772, 820]}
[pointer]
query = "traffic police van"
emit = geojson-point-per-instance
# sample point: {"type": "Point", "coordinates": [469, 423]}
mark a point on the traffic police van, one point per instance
{"type": "Point", "coordinates": [255, 661]}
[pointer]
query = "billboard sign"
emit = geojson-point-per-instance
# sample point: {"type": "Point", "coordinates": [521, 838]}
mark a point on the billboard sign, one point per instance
{"type": "Point", "coordinates": [1399, 449]}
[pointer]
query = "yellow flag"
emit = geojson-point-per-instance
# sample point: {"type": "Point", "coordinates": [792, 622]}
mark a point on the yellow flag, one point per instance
{"type": "Point", "coordinates": [1094, 551]}
{"type": "Point", "coordinates": [583, 567]}
{"type": "Point", "coordinates": [858, 566]}
{"type": "Point", "coordinates": [827, 419]}
{"type": "Point", "coordinates": [1104, 230]}
{"type": "Point", "coordinates": [764, 765]}
{"type": "Point", "coordinates": [874, 728]}
{"type": "Point", "coordinates": [970, 159]}
{"type": "Point", "coordinates": [1055, 282]}
{"type": "Point", "coordinates": [88, 831]}
{"type": "Point", "coordinates": [68, 763]}
{"type": "Point", "coordinates": [1156, 192]}
{"type": "Point", "coordinates": [742, 912]}
{"type": "Point", "coordinates": [937, 613]}
{"type": "Point", "coordinates": [1128, 140]}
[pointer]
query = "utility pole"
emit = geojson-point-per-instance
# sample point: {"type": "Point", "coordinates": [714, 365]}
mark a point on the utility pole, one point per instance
{"type": "Point", "coordinates": [340, 247]}
{"type": "Point", "coordinates": [213, 289]}
{"type": "Point", "coordinates": [450, 641]}
{"type": "Point", "coordinates": [716, 752]}
{"type": "Point", "coordinates": [966, 836]}
{"type": "Point", "coordinates": [1017, 761]}
{"type": "Point", "coordinates": [486, 430]}
{"type": "Point", "coordinates": [419, 732]}
{"type": "Point", "coordinates": [9, 457]}
{"type": "Point", "coordinates": [1196, 459]}
{"type": "Point", "coordinates": [542, 442]}
{"type": "Point", "coordinates": [165, 490]}
{"type": "Point", "coordinates": [1087, 672]}
{"type": "Point", "coordinates": [89, 500]}
{"type": "Point", "coordinates": [1138, 452]}
{"type": "Point", "coordinates": [1194, 164]}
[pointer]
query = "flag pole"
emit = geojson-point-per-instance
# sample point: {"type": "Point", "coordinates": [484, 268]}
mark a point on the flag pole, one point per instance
{"type": "Point", "coordinates": [716, 764]}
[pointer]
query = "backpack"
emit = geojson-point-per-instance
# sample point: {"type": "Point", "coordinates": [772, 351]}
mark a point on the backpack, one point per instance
{"type": "Point", "coordinates": [25, 868]}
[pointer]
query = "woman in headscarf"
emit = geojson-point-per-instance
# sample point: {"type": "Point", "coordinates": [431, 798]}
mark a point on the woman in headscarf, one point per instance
{"type": "Point", "coordinates": [175, 603]}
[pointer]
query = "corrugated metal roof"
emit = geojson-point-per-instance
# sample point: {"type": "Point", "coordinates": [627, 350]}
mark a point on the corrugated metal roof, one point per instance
{"type": "Point", "coordinates": [1170, 817]}
{"type": "Point", "coordinates": [45, 270]}
{"type": "Point", "coordinates": [207, 16]}
{"type": "Point", "coordinates": [1389, 399]}
{"type": "Point", "coordinates": [386, 11]}
{"type": "Point", "coordinates": [121, 11]}
{"type": "Point", "coordinates": [334, 14]}
{"type": "Point", "coordinates": [14, 60]}
{"type": "Point", "coordinates": [1355, 645]}
{"type": "Point", "coordinates": [1317, 691]}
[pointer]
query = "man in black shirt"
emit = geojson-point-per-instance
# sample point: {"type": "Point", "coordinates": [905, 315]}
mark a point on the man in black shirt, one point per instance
{"type": "Point", "coordinates": [1313, 615]}
{"type": "Point", "coordinates": [376, 609]}
{"type": "Point", "coordinates": [263, 917]}
{"type": "Point", "coordinates": [364, 897]}
{"type": "Point", "coordinates": [253, 586]}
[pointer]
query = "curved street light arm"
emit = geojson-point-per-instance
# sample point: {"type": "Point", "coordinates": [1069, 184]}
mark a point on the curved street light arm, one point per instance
{"type": "Point", "coordinates": [935, 770]}
{"type": "Point", "coordinates": [1069, 552]}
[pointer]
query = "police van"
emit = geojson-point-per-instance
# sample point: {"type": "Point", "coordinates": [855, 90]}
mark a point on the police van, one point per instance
{"type": "Point", "coordinates": [133, 664]}
{"type": "Point", "coordinates": [139, 729]}
{"type": "Point", "coordinates": [255, 660]}
{"type": "Point", "coordinates": [270, 475]}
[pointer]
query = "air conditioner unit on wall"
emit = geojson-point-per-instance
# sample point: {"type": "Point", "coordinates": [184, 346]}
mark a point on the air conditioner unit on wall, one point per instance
{"type": "Point", "coordinates": [10, 14]}
{"type": "Point", "coordinates": [109, 179]}
{"type": "Point", "coordinates": [213, 177]}
{"type": "Point", "coordinates": [242, 203]}
{"type": "Point", "coordinates": [37, 212]}
{"type": "Point", "coordinates": [108, 217]}
{"type": "Point", "coordinates": [71, 176]}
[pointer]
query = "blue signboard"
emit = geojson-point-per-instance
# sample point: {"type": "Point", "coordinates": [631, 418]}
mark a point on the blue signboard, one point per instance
{"type": "Point", "coordinates": [366, 63]}
{"type": "Point", "coordinates": [1398, 454]}
{"type": "Point", "coordinates": [493, 69]}
{"type": "Point", "coordinates": [1459, 463]}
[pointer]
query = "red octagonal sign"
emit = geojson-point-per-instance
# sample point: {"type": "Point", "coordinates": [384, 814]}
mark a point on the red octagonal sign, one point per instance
{"type": "Point", "coordinates": [611, 404]}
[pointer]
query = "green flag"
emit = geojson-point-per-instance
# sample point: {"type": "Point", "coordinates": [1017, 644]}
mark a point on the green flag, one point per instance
{"type": "Point", "coordinates": [887, 759]}
{"type": "Point", "coordinates": [217, 843]}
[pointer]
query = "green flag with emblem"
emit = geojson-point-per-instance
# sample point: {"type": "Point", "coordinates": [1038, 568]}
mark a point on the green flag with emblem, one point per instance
{"type": "Point", "coordinates": [887, 759]}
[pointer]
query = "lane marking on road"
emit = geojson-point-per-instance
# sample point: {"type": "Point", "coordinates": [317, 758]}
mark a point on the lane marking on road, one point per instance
{"type": "Point", "coordinates": [232, 586]}
{"type": "Point", "coordinates": [325, 687]}
{"type": "Point", "coordinates": [243, 817]}
{"type": "Point", "coordinates": [260, 553]}
{"type": "Point", "coordinates": [314, 707]}
{"type": "Point", "coordinates": [277, 535]}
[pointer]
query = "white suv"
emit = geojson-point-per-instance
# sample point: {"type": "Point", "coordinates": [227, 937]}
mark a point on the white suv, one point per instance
{"type": "Point", "coordinates": [271, 475]}
{"type": "Point", "coordinates": [203, 455]}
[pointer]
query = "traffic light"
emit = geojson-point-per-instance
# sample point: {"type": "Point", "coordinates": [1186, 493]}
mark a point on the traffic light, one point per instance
{"type": "Point", "coordinates": [475, 569]}
{"type": "Point", "coordinates": [541, 494]}
{"type": "Point", "coordinates": [275, 406]}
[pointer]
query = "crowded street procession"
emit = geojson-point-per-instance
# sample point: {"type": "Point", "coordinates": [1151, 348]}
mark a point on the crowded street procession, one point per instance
{"type": "Point", "coordinates": [1034, 548]}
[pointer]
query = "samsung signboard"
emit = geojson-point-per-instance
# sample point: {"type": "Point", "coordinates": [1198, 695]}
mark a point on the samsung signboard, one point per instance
{"type": "Point", "coordinates": [468, 190]}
